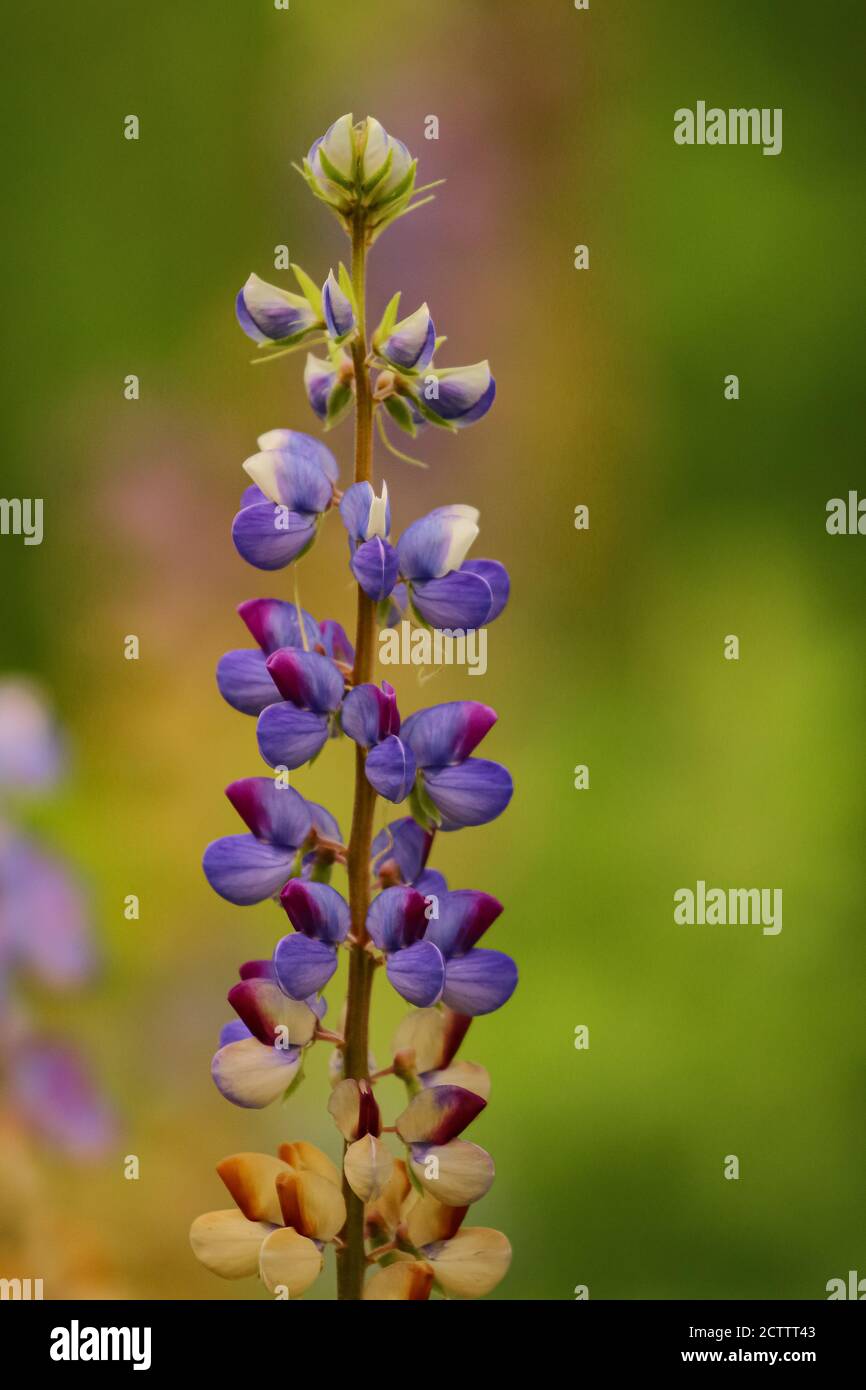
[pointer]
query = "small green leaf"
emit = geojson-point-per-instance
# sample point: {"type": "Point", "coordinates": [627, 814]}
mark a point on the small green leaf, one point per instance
{"type": "Point", "coordinates": [310, 291]}
{"type": "Point", "coordinates": [401, 414]}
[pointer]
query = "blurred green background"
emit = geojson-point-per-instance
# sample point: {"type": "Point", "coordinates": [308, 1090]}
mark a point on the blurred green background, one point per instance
{"type": "Point", "coordinates": [707, 518]}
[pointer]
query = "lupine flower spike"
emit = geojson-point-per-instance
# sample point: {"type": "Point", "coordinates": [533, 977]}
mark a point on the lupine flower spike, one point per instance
{"type": "Point", "coordinates": [392, 1202]}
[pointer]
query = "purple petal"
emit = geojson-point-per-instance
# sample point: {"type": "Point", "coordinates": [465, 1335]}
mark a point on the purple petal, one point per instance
{"type": "Point", "coordinates": [479, 982]}
{"type": "Point", "coordinates": [447, 733]}
{"type": "Point", "coordinates": [356, 509]}
{"type": "Point", "coordinates": [431, 883]}
{"type": "Point", "coordinates": [326, 824]}
{"type": "Point", "coordinates": [496, 576]}
{"type": "Point", "coordinates": [406, 842]}
{"type": "Point", "coordinates": [244, 681]}
{"type": "Point", "coordinates": [301, 446]}
{"type": "Point", "coordinates": [437, 543]}
{"type": "Point", "coordinates": [273, 623]}
{"type": "Point", "coordinates": [303, 965]}
{"type": "Point", "coordinates": [235, 1031]}
{"type": "Point", "coordinates": [375, 566]}
{"type": "Point", "coordinates": [59, 1099]}
{"type": "Point", "coordinates": [464, 917]}
{"type": "Point", "coordinates": [418, 973]}
{"type": "Point", "coordinates": [308, 679]}
{"type": "Point", "coordinates": [291, 477]}
{"type": "Point", "coordinates": [246, 870]}
{"type": "Point", "coordinates": [252, 496]}
{"type": "Point", "coordinates": [390, 768]}
{"type": "Point", "coordinates": [319, 381]}
{"type": "Point", "coordinates": [465, 394]}
{"type": "Point", "coordinates": [397, 918]}
{"type": "Point", "coordinates": [316, 910]}
{"type": "Point", "coordinates": [266, 312]}
{"type": "Point", "coordinates": [370, 714]}
{"type": "Point", "coordinates": [335, 643]}
{"type": "Point", "coordinates": [458, 600]}
{"type": "Point", "coordinates": [289, 737]}
{"type": "Point", "coordinates": [271, 537]}
{"type": "Point", "coordinates": [471, 793]}
{"type": "Point", "coordinates": [44, 922]}
{"type": "Point", "coordinates": [412, 342]}
{"type": "Point", "coordinates": [339, 315]}
{"type": "Point", "coordinates": [272, 813]}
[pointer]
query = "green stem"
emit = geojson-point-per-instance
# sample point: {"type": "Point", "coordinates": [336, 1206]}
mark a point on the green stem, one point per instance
{"type": "Point", "coordinates": [351, 1259]}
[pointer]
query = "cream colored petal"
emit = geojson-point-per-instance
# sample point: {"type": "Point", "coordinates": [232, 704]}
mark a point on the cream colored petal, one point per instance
{"type": "Point", "coordinates": [428, 1221]}
{"type": "Point", "coordinates": [403, 1282]}
{"type": "Point", "coordinates": [383, 1214]}
{"type": "Point", "coordinates": [306, 1158]}
{"type": "Point", "coordinates": [312, 1204]}
{"type": "Point", "coordinates": [344, 1106]}
{"type": "Point", "coordinates": [227, 1244]}
{"type": "Point", "coordinates": [252, 1180]}
{"type": "Point", "coordinates": [472, 1263]}
{"type": "Point", "coordinates": [457, 1173]}
{"type": "Point", "coordinates": [469, 1075]}
{"type": "Point", "coordinates": [368, 1166]}
{"type": "Point", "coordinates": [289, 1261]}
{"type": "Point", "coordinates": [423, 1033]}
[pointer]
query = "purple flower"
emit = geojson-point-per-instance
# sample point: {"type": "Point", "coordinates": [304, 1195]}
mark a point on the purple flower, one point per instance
{"type": "Point", "coordinates": [267, 313]}
{"type": "Point", "coordinates": [31, 753]}
{"type": "Point", "coordinates": [339, 313]}
{"type": "Point", "coordinates": [370, 717]}
{"type": "Point", "coordinates": [246, 869]}
{"type": "Point", "coordinates": [458, 789]}
{"type": "Point", "coordinates": [456, 396]}
{"type": "Point", "coordinates": [367, 519]}
{"type": "Point", "coordinates": [57, 1096]}
{"type": "Point", "coordinates": [293, 484]}
{"type": "Point", "coordinates": [44, 929]}
{"type": "Point", "coordinates": [477, 981]}
{"type": "Point", "coordinates": [294, 731]}
{"type": "Point", "coordinates": [448, 590]}
{"type": "Point", "coordinates": [410, 344]}
{"type": "Point", "coordinates": [243, 678]}
{"type": "Point", "coordinates": [353, 162]}
{"type": "Point", "coordinates": [329, 386]}
{"type": "Point", "coordinates": [260, 1053]}
{"type": "Point", "coordinates": [305, 961]}
{"type": "Point", "coordinates": [400, 853]}
{"type": "Point", "coordinates": [396, 922]}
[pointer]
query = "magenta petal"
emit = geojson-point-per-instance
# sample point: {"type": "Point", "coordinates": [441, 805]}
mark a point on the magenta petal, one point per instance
{"type": "Point", "coordinates": [289, 737]}
{"type": "Point", "coordinates": [471, 793]}
{"type": "Point", "coordinates": [397, 917]}
{"type": "Point", "coordinates": [464, 916]}
{"type": "Point", "coordinates": [447, 733]}
{"type": "Point", "coordinates": [308, 679]}
{"type": "Point", "coordinates": [390, 768]}
{"type": "Point", "coordinates": [303, 965]}
{"type": "Point", "coordinates": [246, 870]}
{"type": "Point", "coordinates": [418, 973]}
{"type": "Point", "coordinates": [479, 982]}
{"type": "Point", "coordinates": [317, 910]}
{"type": "Point", "coordinates": [272, 812]}
{"type": "Point", "coordinates": [370, 714]}
{"type": "Point", "coordinates": [273, 623]}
